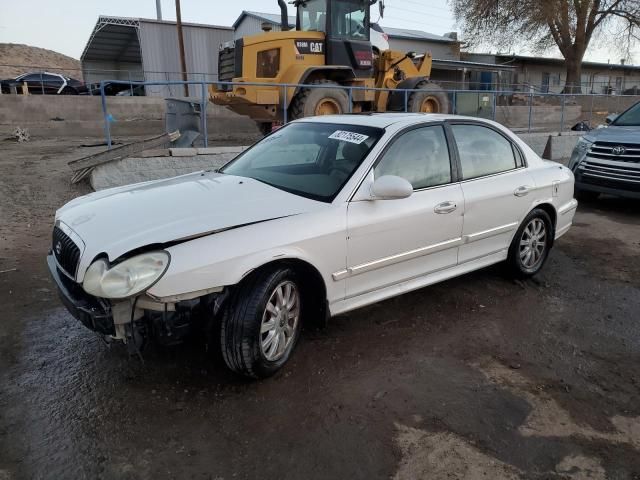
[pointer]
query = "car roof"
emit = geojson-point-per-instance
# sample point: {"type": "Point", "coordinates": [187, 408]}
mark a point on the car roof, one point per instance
{"type": "Point", "coordinates": [383, 120]}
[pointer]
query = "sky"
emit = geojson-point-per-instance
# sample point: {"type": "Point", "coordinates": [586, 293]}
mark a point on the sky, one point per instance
{"type": "Point", "coordinates": [65, 25]}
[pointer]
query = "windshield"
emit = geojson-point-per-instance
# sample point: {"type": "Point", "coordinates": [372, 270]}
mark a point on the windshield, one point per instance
{"type": "Point", "coordinates": [312, 16]}
{"type": "Point", "coordinates": [630, 118]}
{"type": "Point", "coordinates": [313, 160]}
{"type": "Point", "coordinates": [349, 19]}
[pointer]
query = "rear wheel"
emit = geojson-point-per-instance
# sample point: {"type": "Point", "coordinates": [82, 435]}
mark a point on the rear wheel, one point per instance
{"type": "Point", "coordinates": [428, 98]}
{"type": "Point", "coordinates": [312, 102]}
{"type": "Point", "coordinates": [262, 322]}
{"type": "Point", "coordinates": [531, 244]}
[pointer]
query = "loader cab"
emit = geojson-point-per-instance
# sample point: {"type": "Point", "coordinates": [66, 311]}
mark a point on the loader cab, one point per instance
{"type": "Point", "coordinates": [346, 24]}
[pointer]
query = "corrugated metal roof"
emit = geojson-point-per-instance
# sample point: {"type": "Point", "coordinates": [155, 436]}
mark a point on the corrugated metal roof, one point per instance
{"type": "Point", "coordinates": [472, 65]}
{"type": "Point", "coordinates": [392, 32]}
{"type": "Point", "coordinates": [117, 38]}
{"type": "Point", "coordinates": [267, 17]}
{"type": "Point", "coordinates": [416, 35]}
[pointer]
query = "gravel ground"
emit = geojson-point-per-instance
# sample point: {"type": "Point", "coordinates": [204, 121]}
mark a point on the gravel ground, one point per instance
{"type": "Point", "coordinates": [477, 377]}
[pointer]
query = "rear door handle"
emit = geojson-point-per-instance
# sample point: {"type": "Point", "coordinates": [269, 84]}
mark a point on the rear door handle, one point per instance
{"type": "Point", "coordinates": [445, 207]}
{"type": "Point", "coordinates": [522, 191]}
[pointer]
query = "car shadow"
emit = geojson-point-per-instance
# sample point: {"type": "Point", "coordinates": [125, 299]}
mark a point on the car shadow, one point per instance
{"type": "Point", "coordinates": [624, 210]}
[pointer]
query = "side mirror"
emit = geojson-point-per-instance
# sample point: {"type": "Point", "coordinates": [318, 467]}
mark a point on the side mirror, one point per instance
{"type": "Point", "coordinates": [611, 118]}
{"type": "Point", "coordinates": [390, 187]}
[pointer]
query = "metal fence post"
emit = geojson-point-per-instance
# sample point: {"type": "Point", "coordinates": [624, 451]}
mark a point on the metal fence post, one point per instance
{"type": "Point", "coordinates": [107, 126]}
{"type": "Point", "coordinates": [495, 104]}
{"type": "Point", "coordinates": [350, 99]}
{"type": "Point", "coordinates": [591, 112]}
{"type": "Point", "coordinates": [286, 119]}
{"type": "Point", "coordinates": [455, 102]}
{"type": "Point", "coordinates": [530, 110]}
{"type": "Point", "coordinates": [130, 86]}
{"type": "Point", "coordinates": [406, 101]}
{"type": "Point", "coordinates": [564, 98]}
{"type": "Point", "coordinates": [204, 115]}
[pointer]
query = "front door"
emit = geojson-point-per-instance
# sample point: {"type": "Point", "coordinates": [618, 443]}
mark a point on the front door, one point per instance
{"type": "Point", "coordinates": [390, 241]}
{"type": "Point", "coordinates": [497, 189]}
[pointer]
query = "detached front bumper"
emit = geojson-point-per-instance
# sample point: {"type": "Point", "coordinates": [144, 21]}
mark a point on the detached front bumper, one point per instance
{"type": "Point", "coordinates": [93, 313]}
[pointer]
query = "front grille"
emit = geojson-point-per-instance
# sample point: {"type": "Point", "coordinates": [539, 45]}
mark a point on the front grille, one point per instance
{"type": "Point", "coordinates": [614, 174]}
{"type": "Point", "coordinates": [619, 152]}
{"type": "Point", "coordinates": [66, 252]}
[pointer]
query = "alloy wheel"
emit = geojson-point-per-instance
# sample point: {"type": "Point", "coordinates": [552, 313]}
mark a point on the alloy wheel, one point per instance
{"type": "Point", "coordinates": [533, 243]}
{"type": "Point", "coordinates": [280, 321]}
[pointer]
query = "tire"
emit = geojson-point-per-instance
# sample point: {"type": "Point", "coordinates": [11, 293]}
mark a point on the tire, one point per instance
{"type": "Point", "coordinates": [586, 195]}
{"type": "Point", "coordinates": [245, 346]}
{"type": "Point", "coordinates": [519, 263]}
{"type": "Point", "coordinates": [428, 98]}
{"type": "Point", "coordinates": [309, 101]}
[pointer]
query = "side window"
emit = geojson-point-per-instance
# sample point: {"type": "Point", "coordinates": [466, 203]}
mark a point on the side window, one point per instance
{"type": "Point", "coordinates": [33, 77]}
{"type": "Point", "coordinates": [52, 79]}
{"type": "Point", "coordinates": [483, 151]}
{"type": "Point", "coordinates": [420, 156]}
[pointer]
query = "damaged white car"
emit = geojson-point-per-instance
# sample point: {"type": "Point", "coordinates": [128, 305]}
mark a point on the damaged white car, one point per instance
{"type": "Point", "coordinates": [323, 216]}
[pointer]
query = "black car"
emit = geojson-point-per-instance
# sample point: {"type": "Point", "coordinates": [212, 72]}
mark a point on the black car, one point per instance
{"type": "Point", "coordinates": [44, 83]}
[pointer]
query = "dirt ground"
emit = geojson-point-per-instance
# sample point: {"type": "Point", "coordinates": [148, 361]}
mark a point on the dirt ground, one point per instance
{"type": "Point", "coordinates": [477, 377]}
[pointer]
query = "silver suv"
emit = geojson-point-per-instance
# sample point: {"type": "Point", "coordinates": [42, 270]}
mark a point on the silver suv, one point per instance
{"type": "Point", "coordinates": [607, 160]}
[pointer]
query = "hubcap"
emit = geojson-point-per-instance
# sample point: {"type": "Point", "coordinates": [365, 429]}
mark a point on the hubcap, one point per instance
{"type": "Point", "coordinates": [430, 105]}
{"type": "Point", "coordinates": [533, 243]}
{"type": "Point", "coordinates": [279, 321]}
{"type": "Point", "coordinates": [327, 106]}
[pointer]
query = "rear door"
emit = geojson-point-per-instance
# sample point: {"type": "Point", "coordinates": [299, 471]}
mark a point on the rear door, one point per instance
{"type": "Point", "coordinates": [390, 241]}
{"type": "Point", "coordinates": [496, 187]}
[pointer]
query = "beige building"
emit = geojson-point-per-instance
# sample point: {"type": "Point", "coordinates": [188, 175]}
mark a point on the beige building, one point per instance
{"type": "Point", "coordinates": [548, 75]}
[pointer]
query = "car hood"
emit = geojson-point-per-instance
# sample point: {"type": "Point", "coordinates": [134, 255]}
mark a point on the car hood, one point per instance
{"type": "Point", "coordinates": [615, 134]}
{"type": "Point", "coordinates": [118, 220]}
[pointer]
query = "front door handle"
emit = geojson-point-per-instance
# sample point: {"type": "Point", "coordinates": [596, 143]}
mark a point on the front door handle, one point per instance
{"type": "Point", "coordinates": [445, 207]}
{"type": "Point", "coordinates": [522, 191]}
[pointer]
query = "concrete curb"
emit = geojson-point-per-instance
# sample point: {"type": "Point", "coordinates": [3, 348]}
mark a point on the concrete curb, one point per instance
{"type": "Point", "coordinates": [136, 169]}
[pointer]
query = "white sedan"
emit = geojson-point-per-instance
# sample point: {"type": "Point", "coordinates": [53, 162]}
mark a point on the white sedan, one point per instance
{"type": "Point", "coordinates": [321, 217]}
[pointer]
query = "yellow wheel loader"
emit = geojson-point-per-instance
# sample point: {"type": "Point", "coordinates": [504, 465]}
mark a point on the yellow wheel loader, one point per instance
{"type": "Point", "coordinates": [329, 49]}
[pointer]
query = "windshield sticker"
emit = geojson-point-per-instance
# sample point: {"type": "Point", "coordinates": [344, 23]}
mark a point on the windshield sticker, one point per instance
{"type": "Point", "coordinates": [350, 137]}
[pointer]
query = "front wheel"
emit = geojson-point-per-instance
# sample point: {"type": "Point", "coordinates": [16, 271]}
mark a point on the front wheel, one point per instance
{"type": "Point", "coordinates": [530, 246]}
{"type": "Point", "coordinates": [327, 99]}
{"type": "Point", "coordinates": [262, 322]}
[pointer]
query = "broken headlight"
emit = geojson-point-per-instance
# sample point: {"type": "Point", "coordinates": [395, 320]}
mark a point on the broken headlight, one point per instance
{"type": "Point", "coordinates": [127, 278]}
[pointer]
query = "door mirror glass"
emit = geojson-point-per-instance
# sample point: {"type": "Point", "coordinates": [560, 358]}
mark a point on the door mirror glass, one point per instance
{"type": "Point", "coordinates": [390, 187]}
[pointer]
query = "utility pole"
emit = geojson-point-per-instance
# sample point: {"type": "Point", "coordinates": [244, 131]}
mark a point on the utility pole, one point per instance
{"type": "Point", "coordinates": [158, 10]}
{"type": "Point", "coordinates": [183, 61]}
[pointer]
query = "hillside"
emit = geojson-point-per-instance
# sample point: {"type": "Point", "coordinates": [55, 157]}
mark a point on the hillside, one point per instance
{"type": "Point", "coordinates": [16, 59]}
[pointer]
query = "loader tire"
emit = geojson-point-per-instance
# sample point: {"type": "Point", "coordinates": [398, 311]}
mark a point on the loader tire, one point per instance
{"type": "Point", "coordinates": [311, 102]}
{"type": "Point", "coordinates": [428, 98]}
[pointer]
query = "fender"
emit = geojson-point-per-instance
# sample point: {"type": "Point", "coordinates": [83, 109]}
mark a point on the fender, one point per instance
{"type": "Point", "coordinates": [396, 99]}
{"type": "Point", "coordinates": [338, 73]}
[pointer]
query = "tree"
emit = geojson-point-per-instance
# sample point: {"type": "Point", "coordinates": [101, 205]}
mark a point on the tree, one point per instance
{"type": "Point", "coordinates": [569, 24]}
